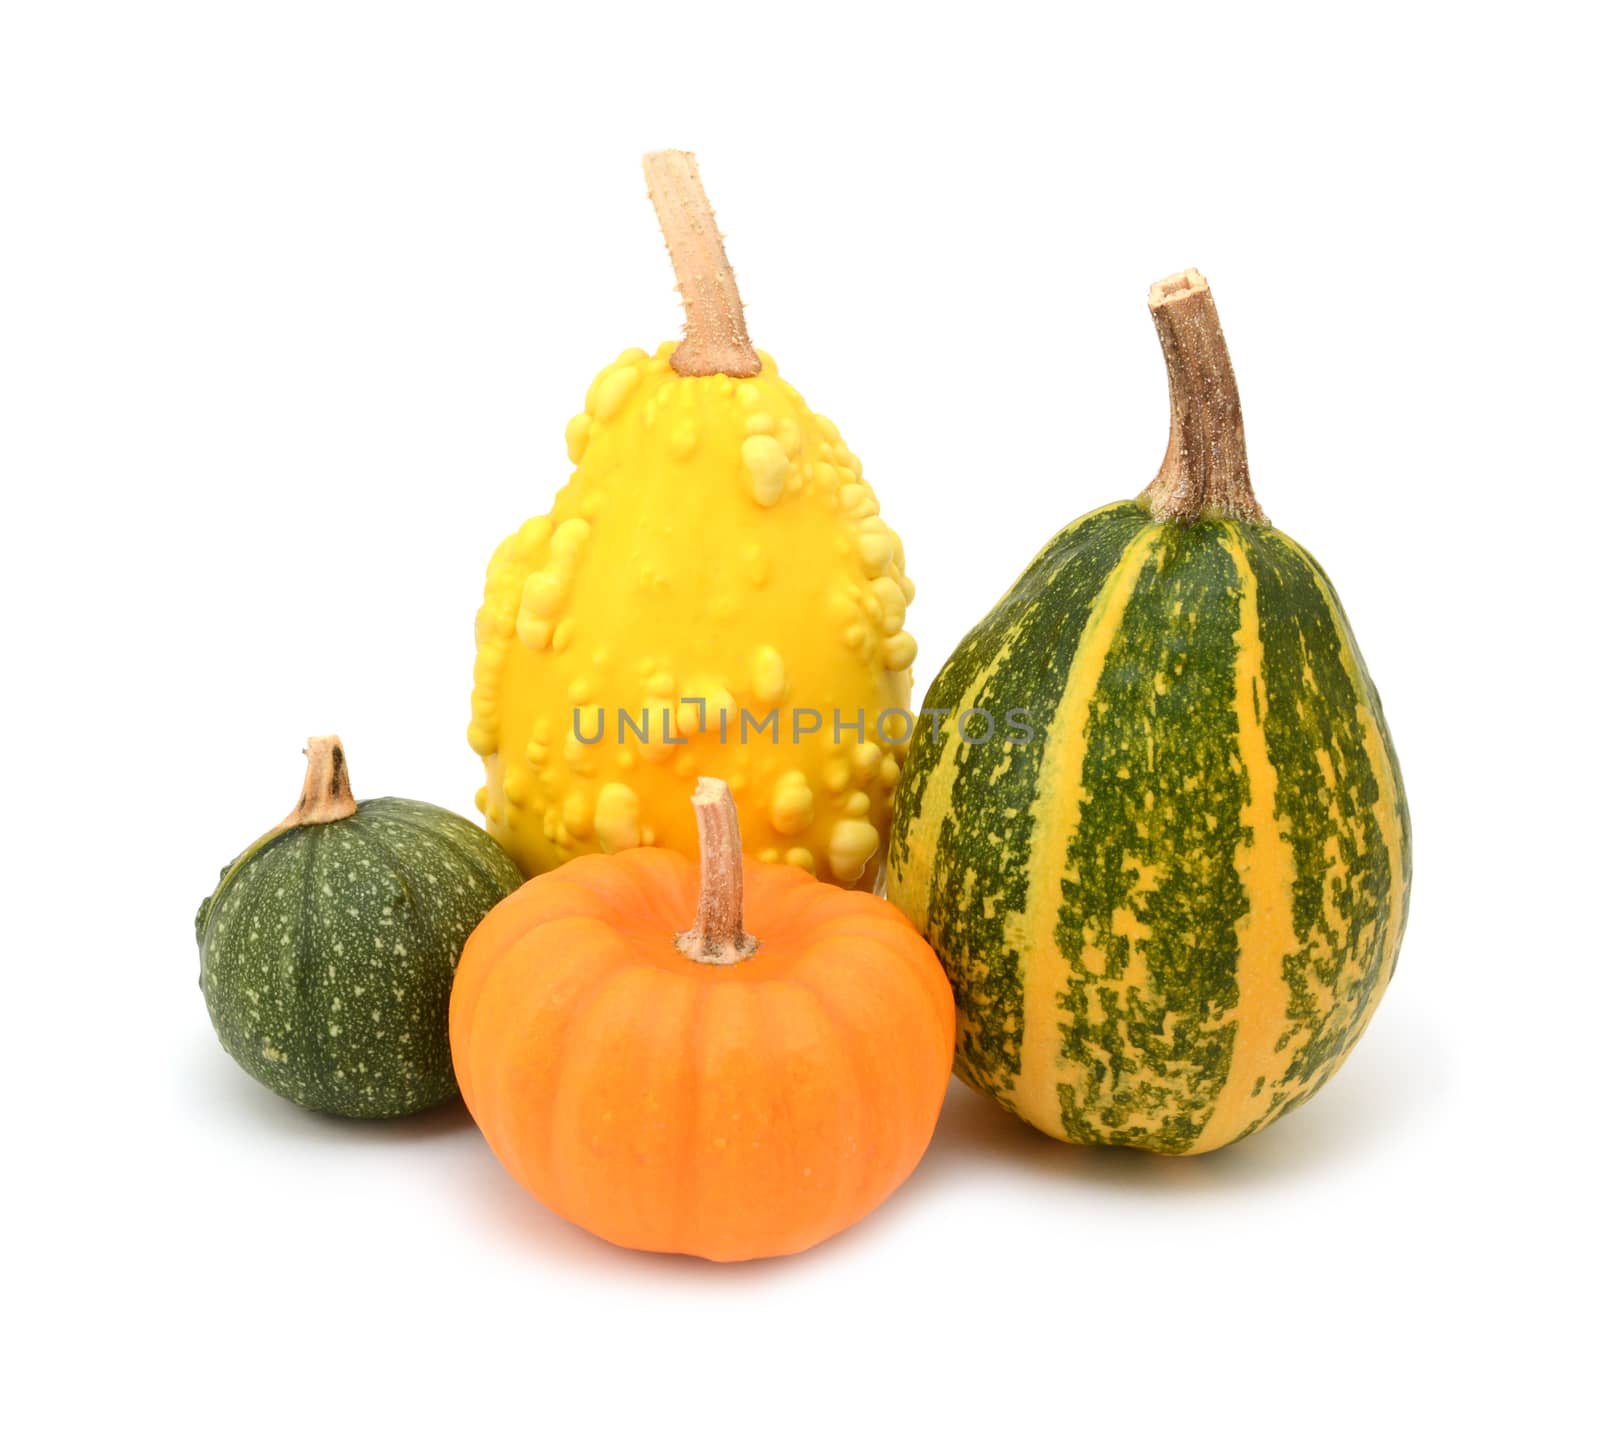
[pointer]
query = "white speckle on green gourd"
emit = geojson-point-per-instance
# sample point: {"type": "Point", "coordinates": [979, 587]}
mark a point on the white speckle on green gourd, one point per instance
{"type": "Point", "coordinates": [432, 876]}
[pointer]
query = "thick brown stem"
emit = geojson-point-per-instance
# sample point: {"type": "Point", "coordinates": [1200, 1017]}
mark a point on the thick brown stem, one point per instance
{"type": "Point", "coordinates": [718, 934]}
{"type": "Point", "coordinates": [1205, 471]}
{"type": "Point", "coordinates": [326, 795]}
{"type": "Point", "coordinates": [715, 341]}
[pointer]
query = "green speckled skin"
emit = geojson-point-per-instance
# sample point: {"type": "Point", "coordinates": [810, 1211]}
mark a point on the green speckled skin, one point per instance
{"type": "Point", "coordinates": [327, 953]}
{"type": "Point", "coordinates": [1170, 917]}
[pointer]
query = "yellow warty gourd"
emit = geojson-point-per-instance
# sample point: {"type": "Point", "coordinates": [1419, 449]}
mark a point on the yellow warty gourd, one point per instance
{"type": "Point", "coordinates": [712, 594]}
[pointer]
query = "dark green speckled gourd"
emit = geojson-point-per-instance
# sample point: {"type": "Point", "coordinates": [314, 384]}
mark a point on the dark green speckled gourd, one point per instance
{"type": "Point", "coordinates": [328, 949]}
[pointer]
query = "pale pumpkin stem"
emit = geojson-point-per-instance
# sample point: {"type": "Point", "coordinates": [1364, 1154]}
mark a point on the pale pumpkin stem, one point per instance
{"type": "Point", "coordinates": [718, 934]}
{"type": "Point", "coordinates": [1205, 471]}
{"type": "Point", "coordinates": [326, 795]}
{"type": "Point", "coordinates": [715, 341]}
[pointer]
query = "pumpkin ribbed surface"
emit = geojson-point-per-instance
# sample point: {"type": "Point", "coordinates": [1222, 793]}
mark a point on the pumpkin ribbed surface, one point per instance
{"type": "Point", "coordinates": [1169, 917]}
{"type": "Point", "coordinates": [734, 1111]}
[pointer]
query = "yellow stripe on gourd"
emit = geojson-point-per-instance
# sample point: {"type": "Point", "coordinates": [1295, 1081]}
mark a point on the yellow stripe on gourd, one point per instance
{"type": "Point", "coordinates": [1059, 793]}
{"type": "Point", "coordinates": [1265, 865]}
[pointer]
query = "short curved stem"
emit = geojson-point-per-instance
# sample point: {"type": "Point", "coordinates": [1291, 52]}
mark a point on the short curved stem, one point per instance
{"type": "Point", "coordinates": [1206, 471]}
{"type": "Point", "coordinates": [718, 936]}
{"type": "Point", "coordinates": [326, 794]}
{"type": "Point", "coordinates": [715, 341]}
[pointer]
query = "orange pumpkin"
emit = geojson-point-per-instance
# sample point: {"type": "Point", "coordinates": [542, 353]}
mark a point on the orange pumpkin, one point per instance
{"type": "Point", "coordinates": [702, 1091]}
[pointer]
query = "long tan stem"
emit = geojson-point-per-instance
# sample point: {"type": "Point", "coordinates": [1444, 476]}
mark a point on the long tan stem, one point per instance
{"type": "Point", "coordinates": [1205, 471]}
{"type": "Point", "coordinates": [326, 795]}
{"type": "Point", "coordinates": [718, 934]}
{"type": "Point", "coordinates": [715, 341]}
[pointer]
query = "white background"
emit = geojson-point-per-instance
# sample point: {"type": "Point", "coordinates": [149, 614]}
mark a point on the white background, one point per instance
{"type": "Point", "coordinates": [297, 299]}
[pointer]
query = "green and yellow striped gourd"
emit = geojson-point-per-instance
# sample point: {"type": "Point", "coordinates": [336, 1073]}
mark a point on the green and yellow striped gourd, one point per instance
{"type": "Point", "coordinates": [1169, 916]}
